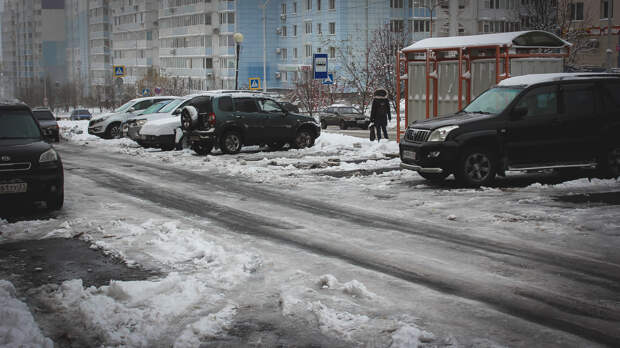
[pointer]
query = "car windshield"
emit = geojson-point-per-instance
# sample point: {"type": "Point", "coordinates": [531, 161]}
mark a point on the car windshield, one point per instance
{"type": "Point", "coordinates": [171, 106]}
{"type": "Point", "coordinates": [493, 101]}
{"type": "Point", "coordinates": [125, 106]}
{"type": "Point", "coordinates": [346, 110]}
{"type": "Point", "coordinates": [155, 107]}
{"type": "Point", "coordinates": [18, 124]}
{"type": "Point", "coordinates": [82, 112]}
{"type": "Point", "coordinates": [43, 115]}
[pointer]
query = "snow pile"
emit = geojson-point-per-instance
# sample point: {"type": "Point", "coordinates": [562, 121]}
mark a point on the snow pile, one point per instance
{"type": "Point", "coordinates": [410, 337]}
{"type": "Point", "coordinates": [353, 288]}
{"type": "Point", "coordinates": [30, 229]}
{"type": "Point", "coordinates": [17, 326]}
{"type": "Point", "coordinates": [143, 313]}
{"type": "Point", "coordinates": [77, 132]}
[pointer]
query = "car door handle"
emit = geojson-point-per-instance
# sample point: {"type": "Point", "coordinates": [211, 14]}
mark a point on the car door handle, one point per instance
{"type": "Point", "coordinates": [237, 116]}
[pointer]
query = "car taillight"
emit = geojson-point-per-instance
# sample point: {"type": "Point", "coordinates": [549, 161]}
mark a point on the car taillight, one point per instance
{"type": "Point", "coordinates": [212, 119]}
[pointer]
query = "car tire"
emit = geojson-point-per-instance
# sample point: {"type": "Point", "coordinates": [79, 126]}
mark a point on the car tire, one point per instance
{"type": "Point", "coordinates": [343, 125]}
{"type": "Point", "coordinates": [56, 201]}
{"type": "Point", "coordinates": [323, 124]}
{"type": "Point", "coordinates": [303, 139]}
{"type": "Point", "coordinates": [434, 177]}
{"type": "Point", "coordinates": [476, 167]}
{"type": "Point", "coordinates": [609, 164]}
{"type": "Point", "coordinates": [113, 131]}
{"type": "Point", "coordinates": [202, 148]}
{"type": "Point", "coordinates": [276, 145]}
{"type": "Point", "coordinates": [231, 142]}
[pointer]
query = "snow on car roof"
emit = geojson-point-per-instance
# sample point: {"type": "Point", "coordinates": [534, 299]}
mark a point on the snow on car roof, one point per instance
{"type": "Point", "coordinates": [532, 79]}
{"type": "Point", "coordinates": [530, 38]}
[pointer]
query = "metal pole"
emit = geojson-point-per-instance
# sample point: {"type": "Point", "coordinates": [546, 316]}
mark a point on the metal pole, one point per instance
{"type": "Point", "coordinates": [610, 7]}
{"type": "Point", "coordinates": [237, 70]}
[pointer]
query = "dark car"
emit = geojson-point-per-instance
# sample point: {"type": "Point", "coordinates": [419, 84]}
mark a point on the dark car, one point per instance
{"type": "Point", "coordinates": [232, 120]}
{"type": "Point", "coordinates": [344, 117]}
{"type": "Point", "coordinates": [48, 123]}
{"type": "Point", "coordinates": [526, 123]}
{"type": "Point", "coordinates": [30, 168]}
{"type": "Point", "coordinates": [80, 114]}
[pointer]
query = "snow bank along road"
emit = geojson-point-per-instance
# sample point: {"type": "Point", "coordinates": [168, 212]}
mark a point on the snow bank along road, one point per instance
{"type": "Point", "coordinates": [491, 267]}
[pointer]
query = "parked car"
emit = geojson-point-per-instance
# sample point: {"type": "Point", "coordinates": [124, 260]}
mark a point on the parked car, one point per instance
{"type": "Point", "coordinates": [141, 117]}
{"type": "Point", "coordinates": [232, 120]}
{"type": "Point", "coordinates": [30, 168]}
{"type": "Point", "coordinates": [525, 123]}
{"type": "Point", "coordinates": [48, 123]}
{"type": "Point", "coordinates": [80, 114]}
{"type": "Point", "coordinates": [110, 125]}
{"type": "Point", "coordinates": [148, 132]}
{"type": "Point", "coordinates": [343, 116]}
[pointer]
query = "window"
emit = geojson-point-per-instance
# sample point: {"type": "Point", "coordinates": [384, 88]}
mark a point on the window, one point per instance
{"type": "Point", "coordinates": [268, 105]}
{"type": "Point", "coordinates": [318, 29]}
{"type": "Point", "coordinates": [576, 11]}
{"type": "Point", "coordinates": [318, 5]}
{"type": "Point", "coordinates": [578, 100]}
{"type": "Point", "coordinates": [295, 30]}
{"type": "Point", "coordinates": [284, 53]}
{"type": "Point", "coordinates": [308, 51]}
{"type": "Point", "coordinates": [332, 4]}
{"type": "Point", "coordinates": [540, 101]}
{"type": "Point", "coordinates": [227, 18]}
{"type": "Point", "coordinates": [396, 3]}
{"type": "Point", "coordinates": [308, 27]}
{"type": "Point", "coordinates": [245, 105]}
{"type": "Point", "coordinates": [332, 52]}
{"type": "Point", "coordinates": [309, 5]}
{"type": "Point", "coordinates": [284, 8]}
{"type": "Point", "coordinates": [225, 104]}
{"type": "Point", "coordinates": [284, 30]}
{"type": "Point", "coordinates": [607, 9]}
{"type": "Point", "coordinates": [295, 53]}
{"type": "Point", "coordinates": [396, 25]}
{"type": "Point", "coordinates": [332, 28]}
{"type": "Point", "coordinates": [294, 7]}
{"type": "Point", "coordinates": [421, 26]}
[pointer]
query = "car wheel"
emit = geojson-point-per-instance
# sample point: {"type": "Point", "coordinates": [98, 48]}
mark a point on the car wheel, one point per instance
{"type": "Point", "coordinates": [609, 164]}
{"type": "Point", "coordinates": [304, 139]}
{"type": "Point", "coordinates": [56, 201]}
{"type": "Point", "coordinates": [343, 125]}
{"type": "Point", "coordinates": [276, 145]}
{"type": "Point", "coordinates": [476, 167]}
{"type": "Point", "coordinates": [231, 142]}
{"type": "Point", "coordinates": [202, 148]}
{"type": "Point", "coordinates": [323, 124]}
{"type": "Point", "coordinates": [113, 131]}
{"type": "Point", "coordinates": [434, 177]}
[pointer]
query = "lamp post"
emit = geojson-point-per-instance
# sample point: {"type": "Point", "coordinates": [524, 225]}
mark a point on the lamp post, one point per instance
{"type": "Point", "coordinates": [238, 40]}
{"type": "Point", "coordinates": [263, 7]}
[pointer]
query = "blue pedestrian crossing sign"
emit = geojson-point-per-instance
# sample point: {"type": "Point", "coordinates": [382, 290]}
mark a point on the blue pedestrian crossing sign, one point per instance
{"type": "Point", "coordinates": [254, 83]}
{"type": "Point", "coordinates": [119, 70]}
{"type": "Point", "coordinates": [146, 92]}
{"type": "Point", "coordinates": [329, 80]}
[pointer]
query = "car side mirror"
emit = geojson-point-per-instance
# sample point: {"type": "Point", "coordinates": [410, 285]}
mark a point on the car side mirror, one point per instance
{"type": "Point", "coordinates": [176, 112]}
{"type": "Point", "coordinates": [132, 109]}
{"type": "Point", "coordinates": [518, 113]}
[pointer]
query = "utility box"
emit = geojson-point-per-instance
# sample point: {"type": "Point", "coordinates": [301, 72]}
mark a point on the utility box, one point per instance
{"type": "Point", "coordinates": [444, 74]}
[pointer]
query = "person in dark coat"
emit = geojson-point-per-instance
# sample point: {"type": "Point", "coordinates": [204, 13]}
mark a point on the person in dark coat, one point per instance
{"type": "Point", "coordinates": [380, 112]}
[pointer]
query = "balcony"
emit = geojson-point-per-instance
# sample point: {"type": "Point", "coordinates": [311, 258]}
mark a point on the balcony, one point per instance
{"type": "Point", "coordinates": [183, 31]}
{"type": "Point", "coordinates": [99, 35]}
{"type": "Point", "coordinates": [226, 6]}
{"type": "Point", "coordinates": [188, 72]}
{"type": "Point", "coordinates": [99, 20]}
{"type": "Point", "coordinates": [226, 51]}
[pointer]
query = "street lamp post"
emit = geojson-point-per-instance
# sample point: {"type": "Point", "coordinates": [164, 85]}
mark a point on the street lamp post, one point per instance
{"type": "Point", "coordinates": [238, 40]}
{"type": "Point", "coordinates": [264, 6]}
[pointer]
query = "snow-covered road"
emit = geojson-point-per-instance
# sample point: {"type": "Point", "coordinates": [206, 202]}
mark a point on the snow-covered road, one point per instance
{"type": "Point", "coordinates": [331, 246]}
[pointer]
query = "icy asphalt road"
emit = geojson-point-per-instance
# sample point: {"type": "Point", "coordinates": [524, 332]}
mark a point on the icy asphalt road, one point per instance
{"type": "Point", "coordinates": [417, 264]}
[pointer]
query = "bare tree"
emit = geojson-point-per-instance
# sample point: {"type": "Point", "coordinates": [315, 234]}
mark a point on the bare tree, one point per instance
{"type": "Point", "coordinates": [357, 76]}
{"type": "Point", "coordinates": [382, 59]}
{"type": "Point", "coordinates": [311, 94]}
{"type": "Point", "coordinates": [169, 85]}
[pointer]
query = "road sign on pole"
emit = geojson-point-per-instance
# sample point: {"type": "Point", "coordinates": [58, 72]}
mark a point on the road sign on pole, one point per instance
{"type": "Point", "coordinates": [146, 92]}
{"type": "Point", "coordinates": [119, 70]}
{"type": "Point", "coordinates": [254, 83]}
{"type": "Point", "coordinates": [319, 64]}
{"type": "Point", "coordinates": [329, 80]}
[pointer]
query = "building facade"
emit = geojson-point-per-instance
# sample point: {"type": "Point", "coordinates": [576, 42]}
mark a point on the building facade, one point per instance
{"type": "Point", "coordinates": [76, 28]}
{"type": "Point", "coordinates": [99, 48]}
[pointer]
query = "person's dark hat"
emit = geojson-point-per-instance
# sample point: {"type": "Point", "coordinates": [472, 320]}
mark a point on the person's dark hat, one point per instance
{"type": "Point", "coordinates": [380, 93]}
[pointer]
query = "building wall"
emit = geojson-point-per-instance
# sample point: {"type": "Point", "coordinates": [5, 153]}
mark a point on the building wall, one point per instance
{"type": "Point", "coordinates": [597, 54]}
{"type": "Point", "coordinates": [99, 47]}
{"type": "Point", "coordinates": [76, 29]}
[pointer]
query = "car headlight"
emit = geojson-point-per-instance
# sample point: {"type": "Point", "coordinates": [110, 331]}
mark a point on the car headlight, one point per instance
{"type": "Point", "coordinates": [48, 156]}
{"type": "Point", "coordinates": [140, 123]}
{"type": "Point", "coordinates": [440, 134]}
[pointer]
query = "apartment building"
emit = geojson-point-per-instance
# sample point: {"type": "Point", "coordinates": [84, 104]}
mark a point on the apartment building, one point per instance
{"type": "Point", "coordinates": [135, 41]}
{"type": "Point", "coordinates": [593, 17]}
{"type": "Point", "coordinates": [99, 48]}
{"type": "Point", "coordinates": [76, 28]}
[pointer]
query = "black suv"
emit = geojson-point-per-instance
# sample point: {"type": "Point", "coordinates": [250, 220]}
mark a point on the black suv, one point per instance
{"type": "Point", "coordinates": [231, 120]}
{"type": "Point", "coordinates": [48, 123]}
{"type": "Point", "coordinates": [30, 168]}
{"type": "Point", "coordinates": [525, 123]}
{"type": "Point", "coordinates": [344, 117]}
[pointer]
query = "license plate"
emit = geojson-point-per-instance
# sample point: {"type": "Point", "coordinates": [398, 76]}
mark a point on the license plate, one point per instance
{"type": "Point", "coordinates": [361, 121]}
{"type": "Point", "coordinates": [13, 188]}
{"type": "Point", "coordinates": [409, 154]}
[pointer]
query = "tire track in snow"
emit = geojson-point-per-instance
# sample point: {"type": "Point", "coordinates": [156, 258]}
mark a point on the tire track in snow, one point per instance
{"type": "Point", "coordinates": [548, 309]}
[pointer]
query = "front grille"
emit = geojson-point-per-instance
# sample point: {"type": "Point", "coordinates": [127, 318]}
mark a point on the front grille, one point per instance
{"type": "Point", "coordinates": [417, 135]}
{"type": "Point", "coordinates": [14, 167]}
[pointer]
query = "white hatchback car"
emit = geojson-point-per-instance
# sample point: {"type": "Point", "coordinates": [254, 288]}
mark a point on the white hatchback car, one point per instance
{"type": "Point", "coordinates": [109, 125]}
